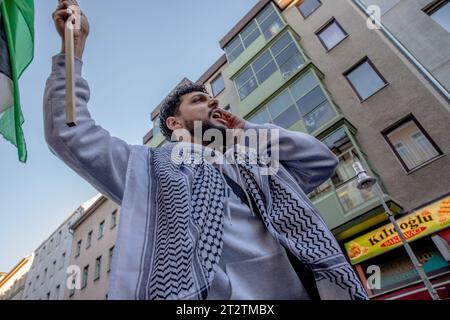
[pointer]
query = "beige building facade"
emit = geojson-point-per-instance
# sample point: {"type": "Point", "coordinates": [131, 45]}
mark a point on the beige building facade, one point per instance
{"type": "Point", "coordinates": [12, 284]}
{"type": "Point", "coordinates": [94, 236]}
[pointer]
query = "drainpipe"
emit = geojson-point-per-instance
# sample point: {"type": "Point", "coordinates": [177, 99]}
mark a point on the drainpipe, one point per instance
{"type": "Point", "coordinates": [424, 71]}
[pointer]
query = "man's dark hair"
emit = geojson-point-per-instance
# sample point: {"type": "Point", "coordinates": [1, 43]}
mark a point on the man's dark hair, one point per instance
{"type": "Point", "coordinates": [171, 105]}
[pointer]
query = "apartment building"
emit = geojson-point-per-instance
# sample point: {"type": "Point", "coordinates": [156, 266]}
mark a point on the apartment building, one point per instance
{"type": "Point", "coordinates": [94, 237]}
{"type": "Point", "coordinates": [325, 68]}
{"type": "Point", "coordinates": [12, 284]}
{"type": "Point", "coordinates": [46, 279]}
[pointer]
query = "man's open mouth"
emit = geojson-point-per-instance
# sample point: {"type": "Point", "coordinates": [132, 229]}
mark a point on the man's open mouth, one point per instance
{"type": "Point", "coordinates": [217, 116]}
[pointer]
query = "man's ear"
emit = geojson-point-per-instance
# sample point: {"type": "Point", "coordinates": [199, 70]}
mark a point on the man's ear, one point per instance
{"type": "Point", "coordinates": [173, 123]}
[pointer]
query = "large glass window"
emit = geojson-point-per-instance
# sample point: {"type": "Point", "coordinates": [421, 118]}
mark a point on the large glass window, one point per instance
{"type": "Point", "coordinates": [365, 79]}
{"type": "Point", "coordinates": [312, 102]}
{"type": "Point", "coordinates": [287, 55]}
{"type": "Point", "coordinates": [264, 67]}
{"type": "Point", "coordinates": [234, 49]}
{"type": "Point", "coordinates": [250, 34]}
{"type": "Point", "coordinates": [267, 22]}
{"type": "Point", "coordinates": [442, 15]}
{"type": "Point", "coordinates": [246, 83]}
{"type": "Point", "coordinates": [411, 144]}
{"type": "Point", "coordinates": [304, 100]}
{"type": "Point", "coordinates": [283, 55]}
{"type": "Point", "coordinates": [344, 180]}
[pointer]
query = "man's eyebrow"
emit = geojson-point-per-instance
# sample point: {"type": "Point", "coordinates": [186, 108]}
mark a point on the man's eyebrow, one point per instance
{"type": "Point", "coordinates": [200, 95]}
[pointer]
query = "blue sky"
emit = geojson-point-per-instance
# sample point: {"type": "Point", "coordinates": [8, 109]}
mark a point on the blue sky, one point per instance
{"type": "Point", "coordinates": [138, 50]}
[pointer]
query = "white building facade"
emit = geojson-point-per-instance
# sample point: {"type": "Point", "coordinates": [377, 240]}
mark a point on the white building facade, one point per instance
{"type": "Point", "coordinates": [47, 277]}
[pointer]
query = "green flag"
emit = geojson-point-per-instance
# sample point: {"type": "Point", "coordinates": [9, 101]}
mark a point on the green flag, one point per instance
{"type": "Point", "coordinates": [16, 53]}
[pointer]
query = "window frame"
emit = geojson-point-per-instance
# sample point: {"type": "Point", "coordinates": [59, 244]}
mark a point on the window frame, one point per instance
{"type": "Point", "coordinates": [261, 32]}
{"type": "Point", "coordinates": [84, 280]}
{"type": "Point", "coordinates": [410, 117]}
{"type": "Point", "coordinates": [101, 229]}
{"type": "Point", "coordinates": [327, 25]}
{"type": "Point", "coordinates": [273, 59]}
{"type": "Point", "coordinates": [89, 239]}
{"type": "Point", "coordinates": [110, 255]}
{"type": "Point", "coordinates": [98, 268]}
{"type": "Point", "coordinates": [374, 68]}
{"type": "Point", "coordinates": [306, 17]}
{"type": "Point", "coordinates": [318, 84]}
{"type": "Point", "coordinates": [220, 75]}
{"type": "Point", "coordinates": [433, 8]}
{"type": "Point", "coordinates": [113, 219]}
{"type": "Point", "coordinates": [78, 248]}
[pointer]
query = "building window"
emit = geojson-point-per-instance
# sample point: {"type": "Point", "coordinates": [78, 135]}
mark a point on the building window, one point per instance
{"type": "Point", "coordinates": [331, 34]}
{"type": "Point", "coordinates": [45, 275]}
{"type": "Point", "coordinates": [58, 237]}
{"type": "Point", "coordinates": [89, 240]}
{"type": "Point", "coordinates": [411, 144]}
{"type": "Point", "coordinates": [48, 295]}
{"type": "Point", "coordinates": [217, 85]}
{"type": "Point", "coordinates": [36, 283]}
{"type": "Point", "coordinates": [234, 49]}
{"type": "Point", "coordinates": [284, 55]}
{"type": "Point", "coordinates": [111, 252]}
{"type": "Point", "coordinates": [268, 22]}
{"type": "Point", "coordinates": [58, 287]}
{"type": "Point", "coordinates": [246, 83]}
{"type": "Point", "coordinates": [156, 128]}
{"type": "Point", "coordinates": [53, 268]}
{"type": "Point", "coordinates": [78, 252]}
{"type": "Point", "coordinates": [365, 79]}
{"type": "Point", "coordinates": [264, 67]}
{"type": "Point", "coordinates": [85, 277]}
{"type": "Point", "coordinates": [113, 219]}
{"type": "Point", "coordinates": [250, 34]}
{"type": "Point", "coordinates": [63, 260]}
{"type": "Point", "coordinates": [73, 285]}
{"type": "Point", "coordinates": [101, 229]}
{"type": "Point", "coordinates": [287, 55]}
{"type": "Point", "coordinates": [98, 267]}
{"type": "Point", "coordinates": [303, 101]}
{"type": "Point", "coordinates": [344, 180]}
{"type": "Point", "coordinates": [307, 7]}
{"type": "Point", "coordinates": [440, 13]}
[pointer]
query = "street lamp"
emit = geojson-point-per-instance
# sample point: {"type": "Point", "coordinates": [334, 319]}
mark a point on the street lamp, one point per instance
{"type": "Point", "coordinates": [366, 181]}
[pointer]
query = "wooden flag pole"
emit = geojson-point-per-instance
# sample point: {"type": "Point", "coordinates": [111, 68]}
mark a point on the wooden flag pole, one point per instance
{"type": "Point", "coordinates": [71, 118]}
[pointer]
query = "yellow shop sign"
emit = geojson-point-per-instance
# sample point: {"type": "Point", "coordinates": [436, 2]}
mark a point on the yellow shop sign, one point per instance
{"type": "Point", "coordinates": [414, 226]}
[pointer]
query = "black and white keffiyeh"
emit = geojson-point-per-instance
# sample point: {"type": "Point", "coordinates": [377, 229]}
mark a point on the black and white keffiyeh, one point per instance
{"type": "Point", "coordinates": [187, 234]}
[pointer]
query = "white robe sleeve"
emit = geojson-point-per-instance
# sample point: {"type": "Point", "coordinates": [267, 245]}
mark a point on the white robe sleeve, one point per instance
{"type": "Point", "coordinates": [87, 148]}
{"type": "Point", "coordinates": [308, 159]}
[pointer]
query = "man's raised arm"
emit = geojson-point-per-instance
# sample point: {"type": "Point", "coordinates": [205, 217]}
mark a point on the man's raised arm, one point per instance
{"type": "Point", "coordinates": [86, 148]}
